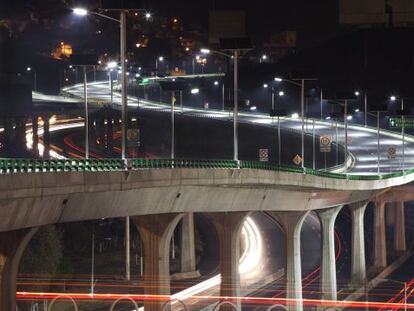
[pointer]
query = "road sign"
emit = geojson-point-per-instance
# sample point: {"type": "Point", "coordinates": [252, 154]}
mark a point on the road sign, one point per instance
{"type": "Point", "coordinates": [325, 143]}
{"type": "Point", "coordinates": [392, 153]}
{"type": "Point", "coordinates": [297, 160]}
{"type": "Point", "coordinates": [264, 155]}
{"type": "Point", "coordinates": [133, 138]}
{"type": "Point", "coordinates": [396, 123]}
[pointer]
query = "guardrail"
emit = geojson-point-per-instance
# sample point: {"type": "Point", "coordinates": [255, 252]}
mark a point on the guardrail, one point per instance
{"type": "Point", "coordinates": [8, 166]}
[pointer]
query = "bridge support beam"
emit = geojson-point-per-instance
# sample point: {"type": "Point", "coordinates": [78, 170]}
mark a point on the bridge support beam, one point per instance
{"type": "Point", "coordinates": [380, 241]}
{"type": "Point", "coordinates": [188, 257]}
{"type": "Point", "coordinates": [292, 223]}
{"type": "Point", "coordinates": [358, 264]}
{"type": "Point", "coordinates": [156, 232]}
{"type": "Point", "coordinates": [12, 246]}
{"type": "Point", "coordinates": [228, 227]}
{"type": "Point", "coordinates": [328, 264]}
{"type": "Point", "coordinates": [399, 228]}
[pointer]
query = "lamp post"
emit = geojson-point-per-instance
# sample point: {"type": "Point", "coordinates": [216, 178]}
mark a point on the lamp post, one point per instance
{"type": "Point", "coordinates": [302, 109]}
{"type": "Point", "coordinates": [124, 97]}
{"type": "Point", "coordinates": [158, 59]}
{"type": "Point", "coordinates": [235, 97]}
{"type": "Point", "coordinates": [30, 69]}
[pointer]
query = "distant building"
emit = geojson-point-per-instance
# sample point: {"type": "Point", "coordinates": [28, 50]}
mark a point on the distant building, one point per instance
{"type": "Point", "coordinates": [372, 13]}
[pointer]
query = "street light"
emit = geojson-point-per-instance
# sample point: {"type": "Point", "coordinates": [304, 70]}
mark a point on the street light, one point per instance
{"type": "Point", "coordinates": [265, 85]}
{"type": "Point", "coordinates": [195, 91]}
{"type": "Point", "coordinates": [158, 59]}
{"type": "Point", "coordinates": [148, 15]}
{"type": "Point", "coordinates": [281, 93]}
{"type": "Point", "coordinates": [393, 98]}
{"type": "Point", "coordinates": [29, 69]}
{"type": "Point", "coordinates": [124, 100]}
{"type": "Point", "coordinates": [302, 108]}
{"type": "Point", "coordinates": [235, 58]}
{"type": "Point", "coordinates": [80, 11]}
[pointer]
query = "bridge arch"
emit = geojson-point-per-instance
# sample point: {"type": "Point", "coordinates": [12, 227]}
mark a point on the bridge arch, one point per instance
{"type": "Point", "coordinates": [277, 306]}
{"type": "Point", "coordinates": [167, 303]}
{"type": "Point", "coordinates": [63, 296]}
{"type": "Point", "coordinates": [123, 298]}
{"type": "Point", "coordinates": [225, 303]}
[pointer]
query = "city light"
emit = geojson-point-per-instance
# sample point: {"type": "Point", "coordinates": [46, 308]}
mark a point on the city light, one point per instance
{"type": "Point", "coordinates": [328, 118]}
{"type": "Point", "coordinates": [137, 75]}
{"type": "Point", "coordinates": [195, 91]}
{"type": "Point", "coordinates": [265, 85]}
{"type": "Point", "coordinates": [253, 108]}
{"type": "Point", "coordinates": [80, 11]}
{"type": "Point", "coordinates": [281, 93]}
{"type": "Point", "coordinates": [187, 49]}
{"type": "Point", "coordinates": [112, 65]}
{"type": "Point", "coordinates": [148, 15]}
{"type": "Point", "coordinates": [277, 79]}
{"type": "Point", "coordinates": [205, 51]}
{"type": "Point", "coordinates": [295, 115]}
{"type": "Point", "coordinates": [357, 110]}
{"type": "Point", "coordinates": [264, 56]}
{"type": "Point", "coordinates": [349, 118]}
{"type": "Point", "coordinates": [161, 58]}
{"type": "Point", "coordinates": [28, 69]}
{"type": "Point", "coordinates": [393, 98]}
{"type": "Point", "coordinates": [216, 83]}
{"type": "Point", "coordinates": [356, 93]}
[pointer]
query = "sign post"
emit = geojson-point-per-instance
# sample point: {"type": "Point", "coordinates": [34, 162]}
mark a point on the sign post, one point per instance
{"type": "Point", "coordinates": [325, 143]}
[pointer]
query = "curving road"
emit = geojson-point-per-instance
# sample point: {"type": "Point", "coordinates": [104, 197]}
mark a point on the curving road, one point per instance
{"type": "Point", "coordinates": [362, 141]}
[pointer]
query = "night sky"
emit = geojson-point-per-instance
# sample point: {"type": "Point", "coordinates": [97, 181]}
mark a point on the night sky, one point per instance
{"type": "Point", "coordinates": [313, 19]}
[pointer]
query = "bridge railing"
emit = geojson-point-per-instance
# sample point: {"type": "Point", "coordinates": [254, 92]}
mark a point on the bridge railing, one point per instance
{"type": "Point", "coordinates": [8, 166]}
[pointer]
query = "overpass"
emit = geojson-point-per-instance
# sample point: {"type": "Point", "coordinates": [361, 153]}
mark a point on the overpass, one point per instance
{"type": "Point", "coordinates": [159, 193]}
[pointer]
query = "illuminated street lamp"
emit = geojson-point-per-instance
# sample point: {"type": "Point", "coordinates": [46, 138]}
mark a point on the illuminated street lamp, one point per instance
{"type": "Point", "coordinates": [235, 58]}
{"type": "Point", "coordinates": [30, 69]}
{"type": "Point", "coordinates": [265, 85]}
{"type": "Point", "coordinates": [124, 101]}
{"type": "Point", "coordinates": [195, 91]}
{"type": "Point", "coordinates": [281, 93]}
{"type": "Point", "coordinates": [393, 98]}
{"type": "Point", "coordinates": [158, 59]}
{"type": "Point", "coordinates": [302, 108]}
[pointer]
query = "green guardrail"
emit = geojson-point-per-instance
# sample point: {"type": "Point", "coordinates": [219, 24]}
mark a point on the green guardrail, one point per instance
{"type": "Point", "coordinates": [97, 165]}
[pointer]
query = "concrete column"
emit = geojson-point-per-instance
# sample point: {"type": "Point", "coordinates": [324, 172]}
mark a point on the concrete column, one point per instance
{"type": "Point", "coordinates": [12, 246]}
{"type": "Point", "coordinates": [188, 258]}
{"type": "Point", "coordinates": [390, 214]}
{"type": "Point", "coordinates": [228, 227]}
{"type": "Point", "coordinates": [292, 223]}
{"type": "Point", "coordinates": [399, 228]}
{"type": "Point", "coordinates": [156, 232]}
{"type": "Point", "coordinates": [328, 262]}
{"type": "Point", "coordinates": [46, 136]}
{"type": "Point", "coordinates": [380, 241]}
{"type": "Point", "coordinates": [358, 265]}
{"type": "Point", "coordinates": [35, 128]}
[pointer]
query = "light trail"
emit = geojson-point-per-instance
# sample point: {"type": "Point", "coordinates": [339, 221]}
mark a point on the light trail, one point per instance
{"type": "Point", "coordinates": [246, 300]}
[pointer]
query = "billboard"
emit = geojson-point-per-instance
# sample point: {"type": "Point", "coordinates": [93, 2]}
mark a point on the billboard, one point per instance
{"type": "Point", "coordinates": [358, 12]}
{"type": "Point", "coordinates": [226, 24]}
